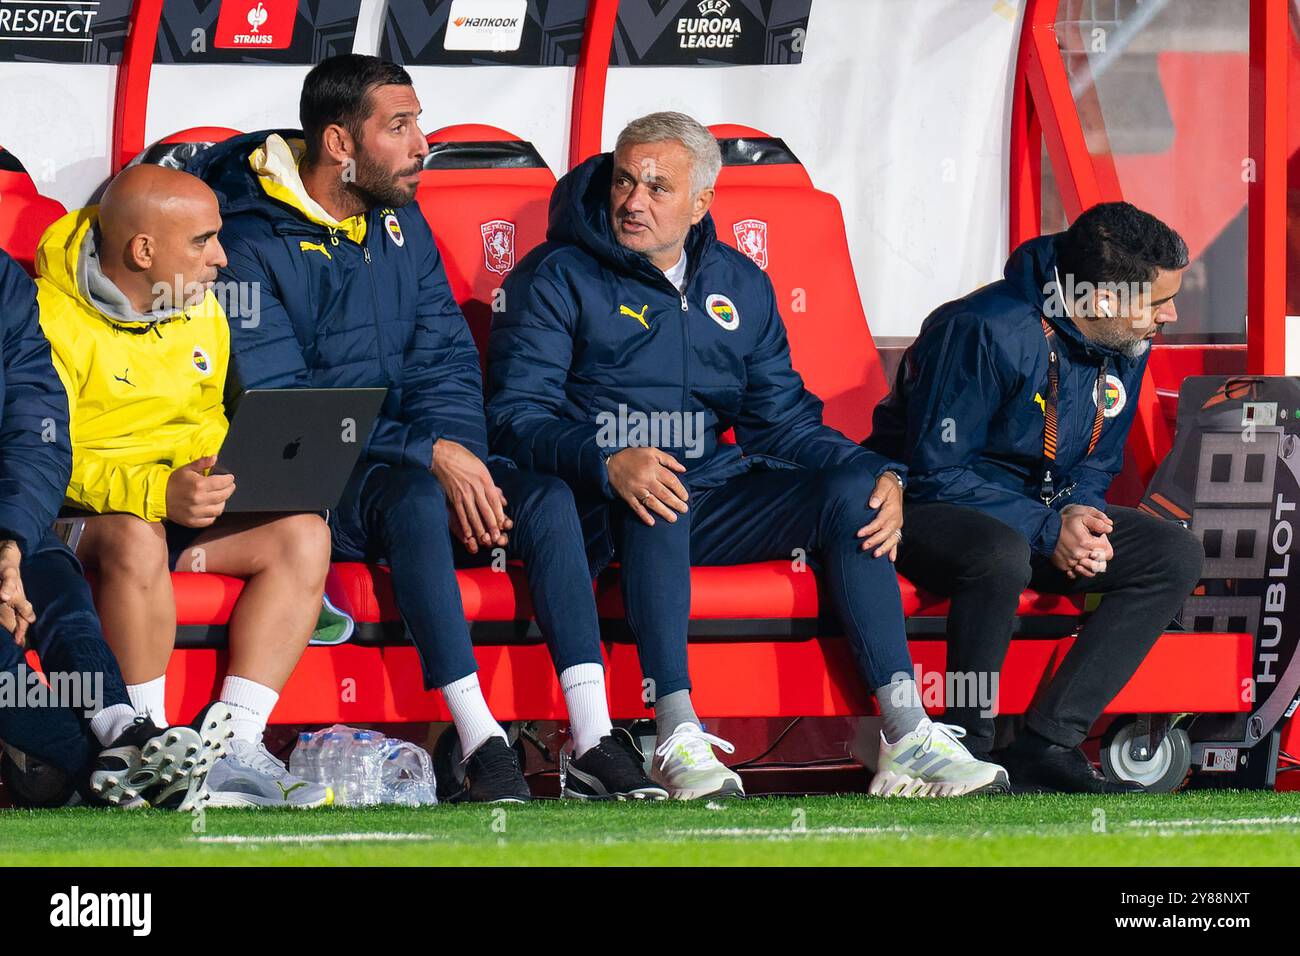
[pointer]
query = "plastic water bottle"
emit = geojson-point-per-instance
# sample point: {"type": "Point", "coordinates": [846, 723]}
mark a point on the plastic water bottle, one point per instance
{"type": "Point", "coordinates": [407, 775]}
{"type": "Point", "coordinates": [365, 757]}
{"type": "Point", "coordinates": [364, 767]}
{"type": "Point", "coordinates": [332, 748]}
{"type": "Point", "coordinates": [345, 788]}
{"type": "Point", "coordinates": [376, 751]}
{"type": "Point", "coordinates": [304, 762]}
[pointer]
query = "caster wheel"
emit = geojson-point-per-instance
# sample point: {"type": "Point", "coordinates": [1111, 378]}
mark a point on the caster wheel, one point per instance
{"type": "Point", "coordinates": [1163, 772]}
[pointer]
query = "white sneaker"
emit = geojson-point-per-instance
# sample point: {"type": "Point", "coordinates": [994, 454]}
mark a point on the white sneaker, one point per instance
{"type": "Point", "coordinates": [247, 775]}
{"type": "Point", "coordinates": [685, 766]}
{"type": "Point", "coordinates": [931, 761]}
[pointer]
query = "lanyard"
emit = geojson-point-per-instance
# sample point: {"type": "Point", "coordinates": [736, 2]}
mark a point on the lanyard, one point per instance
{"type": "Point", "coordinates": [1047, 491]}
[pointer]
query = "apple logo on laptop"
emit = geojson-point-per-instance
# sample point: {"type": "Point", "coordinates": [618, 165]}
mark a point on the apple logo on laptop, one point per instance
{"type": "Point", "coordinates": [291, 450]}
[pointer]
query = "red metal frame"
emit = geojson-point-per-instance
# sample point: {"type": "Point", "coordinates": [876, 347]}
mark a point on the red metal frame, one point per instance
{"type": "Point", "coordinates": [1043, 111]}
{"type": "Point", "coordinates": [1026, 167]}
{"type": "Point", "coordinates": [1270, 31]}
{"type": "Point", "coordinates": [1052, 102]}
{"type": "Point", "coordinates": [586, 123]}
{"type": "Point", "coordinates": [131, 102]}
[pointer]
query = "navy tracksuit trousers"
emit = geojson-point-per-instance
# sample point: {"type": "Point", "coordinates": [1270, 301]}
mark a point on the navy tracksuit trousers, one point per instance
{"type": "Point", "coordinates": [760, 516]}
{"type": "Point", "coordinates": [399, 515]}
{"type": "Point", "coordinates": [68, 639]}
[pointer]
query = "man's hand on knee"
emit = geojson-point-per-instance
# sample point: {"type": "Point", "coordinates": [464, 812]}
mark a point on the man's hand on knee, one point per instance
{"type": "Point", "coordinates": [475, 503]}
{"type": "Point", "coordinates": [886, 530]}
{"type": "Point", "coordinates": [1084, 548]}
{"type": "Point", "coordinates": [194, 499]}
{"type": "Point", "coordinates": [16, 613]}
{"type": "Point", "coordinates": [646, 479]}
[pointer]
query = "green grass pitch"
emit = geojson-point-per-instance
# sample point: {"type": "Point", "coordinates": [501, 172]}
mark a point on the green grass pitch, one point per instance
{"type": "Point", "coordinates": [1193, 829]}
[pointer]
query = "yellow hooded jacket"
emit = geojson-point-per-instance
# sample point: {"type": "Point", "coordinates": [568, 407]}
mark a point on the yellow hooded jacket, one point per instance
{"type": "Point", "coordinates": [144, 396]}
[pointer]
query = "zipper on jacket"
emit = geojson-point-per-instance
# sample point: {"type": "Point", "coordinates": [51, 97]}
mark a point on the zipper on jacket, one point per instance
{"type": "Point", "coordinates": [686, 359]}
{"type": "Point", "coordinates": [374, 302]}
{"type": "Point", "coordinates": [686, 343]}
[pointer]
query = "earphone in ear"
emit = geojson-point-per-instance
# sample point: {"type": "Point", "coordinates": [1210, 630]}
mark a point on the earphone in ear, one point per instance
{"type": "Point", "coordinates": [1104, 308]}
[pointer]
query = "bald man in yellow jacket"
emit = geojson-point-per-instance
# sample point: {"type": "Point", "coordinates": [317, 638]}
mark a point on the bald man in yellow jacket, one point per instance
{"type": "Point", "coordinates": [142, 347]}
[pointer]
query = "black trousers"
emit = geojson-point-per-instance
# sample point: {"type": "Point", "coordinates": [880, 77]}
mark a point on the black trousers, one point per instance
{"type": "Point", "coordinates": [982, 565]}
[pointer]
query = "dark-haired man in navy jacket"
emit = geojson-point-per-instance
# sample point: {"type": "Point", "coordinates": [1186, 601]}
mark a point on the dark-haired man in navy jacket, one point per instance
{"type": "Point", "coordinates": [1011, 410]}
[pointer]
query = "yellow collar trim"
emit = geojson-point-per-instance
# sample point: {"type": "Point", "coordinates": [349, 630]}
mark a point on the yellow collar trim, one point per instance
{"type": "Point", "coordinates": [276, 165]}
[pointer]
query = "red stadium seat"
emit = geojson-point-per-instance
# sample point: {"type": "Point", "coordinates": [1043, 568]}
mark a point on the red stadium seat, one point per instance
{"type": "Point", "coordinates": [201, 134]}
{"type": "Point", "coordinates": [767, 207]}
{"type": "Point", "coordinates": [176, 149]}
{"type": "Point", "coordinates": [24, 213]}
{"type": "Point", "coordinates": [484, 193]}
{"type": "Point", "coordinates": [490, 598]}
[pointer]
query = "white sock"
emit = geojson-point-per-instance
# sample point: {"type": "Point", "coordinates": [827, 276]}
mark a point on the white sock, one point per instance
{"type": "Point", "coordinates": [584, 696]}
{"type": "Point", "coordinates": [469, 711]}
{"type": "Point", "coordinates": [108, 724]}
{"type": "Point", "coordinates": [148, 699]}
{"type": "Point", "coordinates": [251, 703]}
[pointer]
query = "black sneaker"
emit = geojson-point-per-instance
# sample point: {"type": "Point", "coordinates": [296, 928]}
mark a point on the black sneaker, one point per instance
{"type": "Point", "coordinates": [121, 774]}
{"type": "Point", "coordinates": [165, 768]}
{"type": "Point", "coordinates": [611, 770]}
{"type": "Point", "coordinates": [492, 775]}
{"type": "Point", "coordinates": [1036, 765]}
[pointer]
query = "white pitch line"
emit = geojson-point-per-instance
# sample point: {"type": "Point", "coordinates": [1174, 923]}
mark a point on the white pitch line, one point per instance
{"type": "Point", "coordinates": [1215, 822]}
{"type": "Point", "coordinates": [318, 838]}
{"type": "Point", "coordinates": [787, 831]}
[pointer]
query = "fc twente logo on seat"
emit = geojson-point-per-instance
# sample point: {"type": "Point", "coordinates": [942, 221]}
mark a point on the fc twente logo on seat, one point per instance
{"type": "Point", "coordinates": [751, 239]}
{"type": "Point", "coordinates": [498, 245]}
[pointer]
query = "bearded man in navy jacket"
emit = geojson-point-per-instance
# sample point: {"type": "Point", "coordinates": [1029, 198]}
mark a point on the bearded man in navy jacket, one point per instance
{"type": "Point", "coordinates": [1011, 409]}
{"type": "Point", "coordinates": [629, 341]}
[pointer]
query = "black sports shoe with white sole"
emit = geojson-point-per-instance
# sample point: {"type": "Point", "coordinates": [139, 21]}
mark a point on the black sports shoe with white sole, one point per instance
{"type": "Point", "coordinates": [492, 775]}
{"type": "Point", "coordinates": [165, 768]}
{"type": "Point", "coordinates": [121, 774]}
{"type": "Point", "coordinates": [611, 770]}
